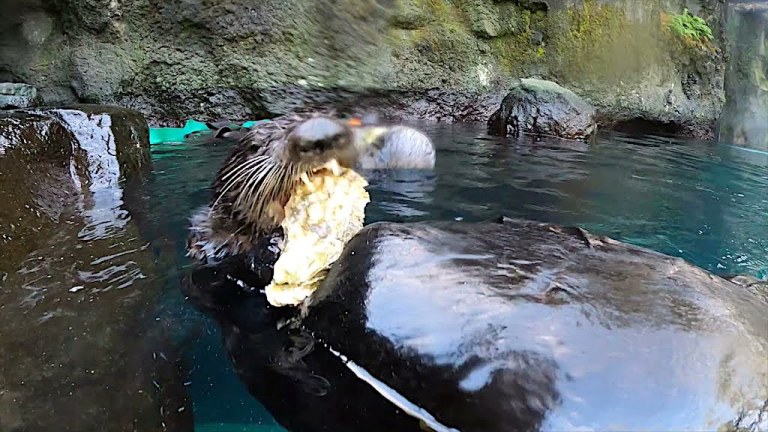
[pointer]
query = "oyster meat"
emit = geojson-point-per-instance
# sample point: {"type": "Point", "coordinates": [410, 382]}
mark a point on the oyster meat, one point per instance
{"type": "Point", "coordinates": [323, 213]}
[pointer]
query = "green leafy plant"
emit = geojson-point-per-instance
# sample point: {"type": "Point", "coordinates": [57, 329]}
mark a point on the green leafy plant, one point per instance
{"type": "Point", "coordinates": [690, 26]}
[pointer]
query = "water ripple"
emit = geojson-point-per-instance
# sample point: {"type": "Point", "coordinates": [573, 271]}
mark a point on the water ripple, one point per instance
{"type": "Point", "coordinates": [701, 201]}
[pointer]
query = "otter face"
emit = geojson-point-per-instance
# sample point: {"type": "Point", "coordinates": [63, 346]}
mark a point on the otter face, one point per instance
{"type": "Point", "coordinates": [316, 141]}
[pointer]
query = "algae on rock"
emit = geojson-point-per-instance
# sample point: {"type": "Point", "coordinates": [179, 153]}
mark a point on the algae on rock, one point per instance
{"type": "Point", "coordinates": [243, 60]}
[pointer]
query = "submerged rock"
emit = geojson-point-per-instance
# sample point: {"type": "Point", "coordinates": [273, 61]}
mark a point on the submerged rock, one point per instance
{"type": "Point", "coordinates": [77, 326]}
{"type": "Point", "coordinates": [543, 108]}
{"type": "Point", "coordinates": [15, 95]}
{"type": "Point", "coordinates": [749, 282]}
{"type": "Point", "coordinates": [496, 326]}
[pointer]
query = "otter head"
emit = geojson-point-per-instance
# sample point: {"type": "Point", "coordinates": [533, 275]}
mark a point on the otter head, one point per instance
{"type": "Point", "coordinates": [317, 141]}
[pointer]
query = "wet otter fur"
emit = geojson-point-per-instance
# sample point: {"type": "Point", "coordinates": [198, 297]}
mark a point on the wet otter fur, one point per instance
{"type": "Point", "coordinates": [255, 181]}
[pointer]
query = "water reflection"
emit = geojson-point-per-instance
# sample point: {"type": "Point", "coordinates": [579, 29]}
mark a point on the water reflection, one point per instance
{"type": "Point", "coordinates": [401, 192]}
{"type": "Point", "coordinates": [102, 206]}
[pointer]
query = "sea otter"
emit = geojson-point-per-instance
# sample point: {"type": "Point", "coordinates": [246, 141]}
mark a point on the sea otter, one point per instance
{"type": "Point", "coordinates": [255, 181]}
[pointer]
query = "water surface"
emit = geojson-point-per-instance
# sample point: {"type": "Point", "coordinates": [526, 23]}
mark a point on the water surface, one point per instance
{"type": "Point", "coordinates": [700, 201]}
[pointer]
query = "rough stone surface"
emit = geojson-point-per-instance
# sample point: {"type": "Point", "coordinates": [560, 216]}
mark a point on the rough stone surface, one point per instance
{"type": "Point", "coordinates": [77, 294]}
{"type": "Point", "coordinates": [14, 95]}
{"type": "Point", "coordinates": [175, 60]}
{"type": "Point", "coordinates": [543, 108]}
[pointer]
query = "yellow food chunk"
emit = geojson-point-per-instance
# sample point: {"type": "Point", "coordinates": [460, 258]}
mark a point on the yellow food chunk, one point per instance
{"type": "Point", "coordinates": [324, 212]}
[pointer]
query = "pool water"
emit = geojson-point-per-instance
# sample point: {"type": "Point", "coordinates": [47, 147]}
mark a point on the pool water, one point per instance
{"type": "Point", "coordinates": [704, 202]}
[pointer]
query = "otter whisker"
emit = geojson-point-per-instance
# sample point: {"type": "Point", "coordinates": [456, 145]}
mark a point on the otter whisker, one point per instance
{"type": "Point", "coordinates": [243, 176]}
{"type": "Point", "coordinates": [248, 167]}
{"type": "Point", "coordinates": [278, 184]}
{"type": "Point", "coordinates": [226, 189]}
{"type": "Point", "coordinates": [250, 162]}
{"type": "Point", "coordinates": [253, 176]}
{"type": "Point", "coordinates": [253, 182]}
{"type": "Point", "coordinates": [250, 198]}
{"type": "Point", "coordinates": [267, 192]}
{"type": "Point", "coordinates": [242, 173]}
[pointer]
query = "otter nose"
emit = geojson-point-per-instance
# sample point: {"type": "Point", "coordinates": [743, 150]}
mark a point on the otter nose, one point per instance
{"type": "Point", "coordinates": [316, 146]}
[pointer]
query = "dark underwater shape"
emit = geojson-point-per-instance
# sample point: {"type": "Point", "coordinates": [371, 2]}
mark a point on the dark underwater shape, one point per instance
{"type": "Point", "coordinates": [503, 326]}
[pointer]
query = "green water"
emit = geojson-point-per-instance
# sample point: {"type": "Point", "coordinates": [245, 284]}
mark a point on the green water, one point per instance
{"type": "Point", "coordinates": [704, 202]}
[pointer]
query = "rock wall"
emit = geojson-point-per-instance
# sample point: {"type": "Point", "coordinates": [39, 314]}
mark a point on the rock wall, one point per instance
{"type": "Point", "coordinates": [440, 59]}
{"type": "Point", "coordinates": [746, 82]}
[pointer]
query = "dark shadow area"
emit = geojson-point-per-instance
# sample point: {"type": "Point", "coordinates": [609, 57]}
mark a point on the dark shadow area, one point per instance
{"type": "Point", "coordinates": [304, 386]}
{"type": "Point", "coordinates": [638, 126]}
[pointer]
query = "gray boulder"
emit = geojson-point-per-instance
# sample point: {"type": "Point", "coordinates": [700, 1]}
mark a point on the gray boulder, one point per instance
{"type": "Point", "coordinates": [542, 107]}
{"type": "Point", "coordinates": [17, 95]}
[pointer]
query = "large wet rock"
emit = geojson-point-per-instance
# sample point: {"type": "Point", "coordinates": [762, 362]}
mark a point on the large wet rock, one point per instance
{"type": "Point", "coordinates": [54, 158]}
{"type": "Point", "coordinates": [77, 283]}
{"type": "Point", "coordinates": [498, 326]}
{"type": "Point", "coordinates": [541, 107]}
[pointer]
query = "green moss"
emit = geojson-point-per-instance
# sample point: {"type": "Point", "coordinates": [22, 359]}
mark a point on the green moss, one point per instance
{"type": "Point", "coordinates": [690, 27]}
{"type": "Point", "coordinates": [581, 36]}
{"type": "Point", "coordinates": [409, 15]}
{"type": "Point", "coordinates": [490, 19]}
{"type": "Point", "coordinates": [441, 53]}
{"type": "Point", "coordinates": [689, 37]}
{"type": "Point", "coordinates": [517, 51]}
{"type": "Point", "coordinates": [444, 29]}
{"type": "Point", "coordinates": [596, 42]}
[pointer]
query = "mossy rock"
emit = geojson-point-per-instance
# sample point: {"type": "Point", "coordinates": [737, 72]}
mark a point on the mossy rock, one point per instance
{"type": "Point", "coordinates": [17, 95]}
{"type": "Point", "coordinates": [489, 19]}
{"type": "Point", "coordinates": [175, 60]}
{"type": "Point", "coordinates": [410, 15]}
{"type": "Point", "coordinates": [100, 70]}
{"type": "Point", "coordinates": [542, 107]}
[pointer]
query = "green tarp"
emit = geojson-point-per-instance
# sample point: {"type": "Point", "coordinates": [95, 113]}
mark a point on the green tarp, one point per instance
{"type": "Point", "coordinates": [176, 135]}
